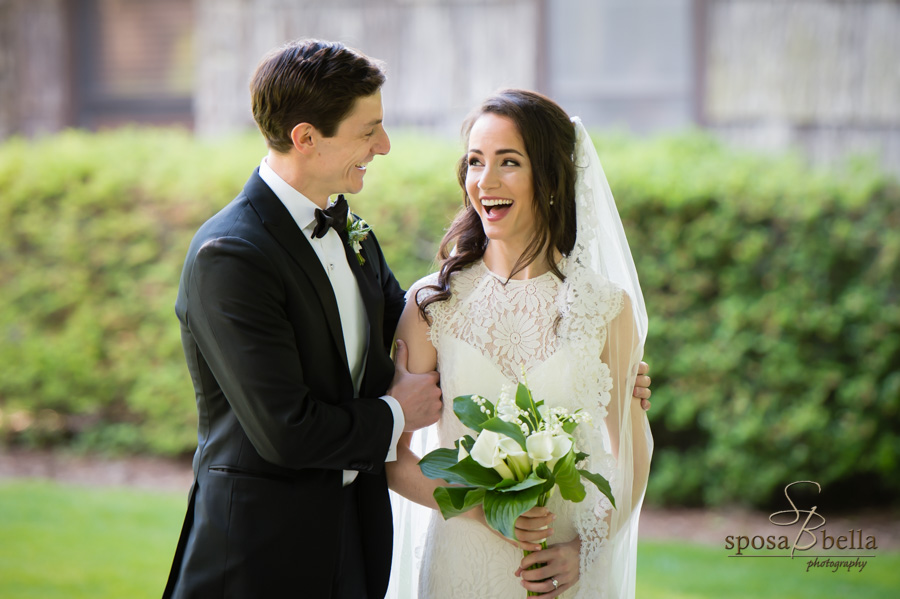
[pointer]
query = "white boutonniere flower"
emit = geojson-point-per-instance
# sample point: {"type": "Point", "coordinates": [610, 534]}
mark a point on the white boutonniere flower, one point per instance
{"type": "Point", "coordinates": [357, 231]}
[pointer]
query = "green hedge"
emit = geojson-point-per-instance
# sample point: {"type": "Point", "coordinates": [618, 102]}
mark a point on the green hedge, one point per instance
{"type": "Point", "coordinates": [772, 290]}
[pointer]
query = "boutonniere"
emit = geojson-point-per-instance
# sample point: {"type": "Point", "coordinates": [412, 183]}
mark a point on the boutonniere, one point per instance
{"type": "Point", "coordinates": [357, 231]}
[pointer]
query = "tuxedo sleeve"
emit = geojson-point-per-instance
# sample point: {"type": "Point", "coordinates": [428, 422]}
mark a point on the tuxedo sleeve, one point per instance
{"type": "Point", "coordinates": [394, 295]}
{"type": "Point", "coordinates": [236, 312]}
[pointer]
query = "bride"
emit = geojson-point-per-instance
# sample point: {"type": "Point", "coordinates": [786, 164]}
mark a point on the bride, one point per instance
{"type": "Point", "coordinates": [536, 281]}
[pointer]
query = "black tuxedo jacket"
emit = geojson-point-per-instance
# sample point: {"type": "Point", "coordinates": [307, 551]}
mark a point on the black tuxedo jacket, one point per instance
{"type": "Point", "coordinates": [278, 421]}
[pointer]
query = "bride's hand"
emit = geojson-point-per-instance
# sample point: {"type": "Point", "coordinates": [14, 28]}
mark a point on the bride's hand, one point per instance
{"type": "Point", "coordinates": [561, 562]}
{"type": "Point", "coordinates": [532, 527]}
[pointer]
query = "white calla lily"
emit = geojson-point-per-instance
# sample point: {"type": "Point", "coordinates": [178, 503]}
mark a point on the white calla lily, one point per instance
{"type": "Point", "coordinates": [488, 453]}
{"type": "Point", "coordinates": [516, 458]}
{"type": "Point", "coordinates": [543, 446]}
{"type": "Point", "coordinates": [463, 454]}
{"type": "Point", "coordinates": [562, 444]}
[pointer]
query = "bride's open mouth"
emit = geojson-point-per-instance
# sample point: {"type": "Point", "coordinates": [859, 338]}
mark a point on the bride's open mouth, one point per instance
{"type": "Point", "coordinates": [496, 208]}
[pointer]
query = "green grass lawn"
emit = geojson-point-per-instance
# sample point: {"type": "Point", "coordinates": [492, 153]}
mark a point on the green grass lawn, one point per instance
{"type": "Point", "coordinates": [682, 571]}
{"type": "Point", "coordinates": [59, 541]}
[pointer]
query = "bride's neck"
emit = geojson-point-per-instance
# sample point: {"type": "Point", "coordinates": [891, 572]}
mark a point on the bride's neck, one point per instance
{"type": "Point", "coordinates": [500, 259]}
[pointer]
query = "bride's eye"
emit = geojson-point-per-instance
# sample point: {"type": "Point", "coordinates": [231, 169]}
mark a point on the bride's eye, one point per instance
{"type": "Point", "coordinates": [474, 161]}
{"type": "Point", "coordinates": [510, 162]}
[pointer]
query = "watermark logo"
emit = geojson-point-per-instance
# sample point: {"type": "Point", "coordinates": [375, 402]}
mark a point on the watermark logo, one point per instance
{"type": "Point", "coordinates": [850, 551]}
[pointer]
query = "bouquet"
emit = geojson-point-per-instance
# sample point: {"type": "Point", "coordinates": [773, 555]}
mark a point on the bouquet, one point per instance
{"type": "Point", "coordinates": [523, 451]}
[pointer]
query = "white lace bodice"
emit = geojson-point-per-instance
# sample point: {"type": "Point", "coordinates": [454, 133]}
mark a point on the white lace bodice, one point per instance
{"type": "Point", "coordinates": [487, 334]}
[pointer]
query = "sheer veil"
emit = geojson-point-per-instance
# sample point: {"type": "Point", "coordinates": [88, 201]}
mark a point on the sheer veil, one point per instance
{"type": "Point", "coordinates": [601, 248]}
{"type": "Point", "coordinates": [410, 528]}
{"type": "Point", "coordinates": [601, 258]}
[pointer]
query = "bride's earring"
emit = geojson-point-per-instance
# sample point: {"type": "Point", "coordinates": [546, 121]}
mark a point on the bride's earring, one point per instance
{"type": "Point", "coordinates": [551, 199]}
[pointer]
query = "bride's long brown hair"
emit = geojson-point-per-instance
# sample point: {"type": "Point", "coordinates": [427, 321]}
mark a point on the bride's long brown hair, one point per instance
{"type": "Point", "coordinates": [549, 137]}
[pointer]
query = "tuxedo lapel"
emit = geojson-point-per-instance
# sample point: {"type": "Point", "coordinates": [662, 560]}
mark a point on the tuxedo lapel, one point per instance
{"type": "Point", "coordinates": [379, 365]}
{"type": "Point", "coordinates": [372, 298]}
{"type": "Point", "coordinates": [281, 225]}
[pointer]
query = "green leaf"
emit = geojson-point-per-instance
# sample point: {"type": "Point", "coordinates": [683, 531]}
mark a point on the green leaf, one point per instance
{"type": "Point", "coordinates": [523, 398]}
{"type": "Point", "coordinates": [474, 474]}
{"type": "Point", "coordinates": [454, 501]}
{"type": "Point", "coordinates": [469, 412]}
{"type": "Point", "coordinates": [509, 429]}
{"type": "Point", "coordinates": [530, 481]}
{"type": "Point", "coordinates": [437, 464]}
{"type": "Point", "coordinates": [601, 484]}
{"type": "Point", "coordinates": [502, 509]}
{"type": "Point", "coordinates": [542, 471]}
{"type": "Point", "coordinates": [567, 478]}
{"type": "Point", "coordinates": [569, 426]}
{"type": "Point", "coordinates": [580, 455]}
{"type": "Point", "coordinates": [467, 442]}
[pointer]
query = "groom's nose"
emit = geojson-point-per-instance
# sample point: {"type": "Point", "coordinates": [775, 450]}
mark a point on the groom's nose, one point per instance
{"type": "Point", "coordinates": [382, 142]}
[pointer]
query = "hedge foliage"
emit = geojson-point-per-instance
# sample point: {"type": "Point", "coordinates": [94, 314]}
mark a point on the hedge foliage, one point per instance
{"type": "Point", "coordinates": [772, 289]}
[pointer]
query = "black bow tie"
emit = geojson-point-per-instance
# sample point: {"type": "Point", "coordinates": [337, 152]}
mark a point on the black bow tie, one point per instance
{"type": "Point", "coordinates": [333, 216]}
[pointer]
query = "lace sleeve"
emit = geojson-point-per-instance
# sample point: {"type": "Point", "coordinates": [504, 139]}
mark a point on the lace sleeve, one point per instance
{"type": "Point", "coordinates": [601, 328]}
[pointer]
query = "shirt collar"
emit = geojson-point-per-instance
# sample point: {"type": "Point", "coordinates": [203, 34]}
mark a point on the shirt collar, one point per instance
{"type": "Point", "coordinates": [301, 208]}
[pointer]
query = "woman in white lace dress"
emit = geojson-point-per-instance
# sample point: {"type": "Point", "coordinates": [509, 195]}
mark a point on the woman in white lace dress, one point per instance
{"type": "Point", "coordinates": [536, 280]}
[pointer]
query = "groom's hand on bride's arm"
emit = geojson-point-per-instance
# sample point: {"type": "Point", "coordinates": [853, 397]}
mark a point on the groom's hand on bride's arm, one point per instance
{"type": "Point", "coordinates": [642, 385]}
{"type": "Point", "coordinates": [418, 394]}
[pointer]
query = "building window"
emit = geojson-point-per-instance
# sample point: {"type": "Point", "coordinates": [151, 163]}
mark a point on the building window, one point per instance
{"type": "Point", "coordinates": [135, 62]}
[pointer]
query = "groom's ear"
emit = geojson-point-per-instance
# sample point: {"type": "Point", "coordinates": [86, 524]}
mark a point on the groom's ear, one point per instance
{"type": "Point", "coordinates": [303, 136]}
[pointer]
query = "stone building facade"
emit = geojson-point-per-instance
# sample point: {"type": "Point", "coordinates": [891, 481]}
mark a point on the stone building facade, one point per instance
{"type": "Point", "coordinates": [822, 76]}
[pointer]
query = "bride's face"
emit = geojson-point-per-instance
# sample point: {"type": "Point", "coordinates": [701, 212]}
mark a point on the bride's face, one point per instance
{"type": "Point", "coordinates": [499, 180]}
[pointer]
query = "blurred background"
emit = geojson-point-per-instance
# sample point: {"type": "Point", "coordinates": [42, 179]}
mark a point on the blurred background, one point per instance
{"type": "Point", "coordinates": [818, 75]}
{"type": "Point", "coordinates": [753, 147]}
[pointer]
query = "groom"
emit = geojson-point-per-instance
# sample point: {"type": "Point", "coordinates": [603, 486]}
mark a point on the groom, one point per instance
{"type": "Point", "coordinates": [286, 329]}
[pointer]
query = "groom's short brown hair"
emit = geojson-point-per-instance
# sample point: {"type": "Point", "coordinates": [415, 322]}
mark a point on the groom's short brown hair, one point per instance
{"type": "Point", "coordinates": [309, 81]}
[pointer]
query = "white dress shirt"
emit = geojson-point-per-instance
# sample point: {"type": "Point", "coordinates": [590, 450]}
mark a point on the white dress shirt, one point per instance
{"type": "Point", "coordinates": [354, 323]}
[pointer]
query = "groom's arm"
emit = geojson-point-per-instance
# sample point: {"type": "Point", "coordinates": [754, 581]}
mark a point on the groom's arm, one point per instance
{"type": "Point", "coordinates": [394, 295]}
{"type": "Point", "coordinates": [236, 313]}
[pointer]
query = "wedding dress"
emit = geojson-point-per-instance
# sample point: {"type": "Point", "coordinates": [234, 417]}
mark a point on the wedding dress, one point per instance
{"type": "Point", "coordinates": [576, 343]}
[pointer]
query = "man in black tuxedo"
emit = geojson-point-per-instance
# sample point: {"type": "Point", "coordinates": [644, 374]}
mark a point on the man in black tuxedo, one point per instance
{"type": "Point", "coordinates": [287, 329]}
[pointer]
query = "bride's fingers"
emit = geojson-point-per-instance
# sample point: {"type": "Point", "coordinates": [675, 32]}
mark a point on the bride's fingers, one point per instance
{"type": "Point", "coordinates": [525, 522]}
{"type": "Point", "coordinates": [538, 574]}
{"type": "Point", "coordinates": [526, 546]}
{"type": "Point", "coordinates": [533, 536]}
{"type": "Point", "coordinates": [538, 511]}
{"type": "Point", "coordinates": [544, 557]}
{"type": "Point", "coordinates": [546, 587]}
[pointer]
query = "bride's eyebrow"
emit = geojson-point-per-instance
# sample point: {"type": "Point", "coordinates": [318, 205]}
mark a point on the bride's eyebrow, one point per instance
{"type": "Point", "coordinates": [503, 151]}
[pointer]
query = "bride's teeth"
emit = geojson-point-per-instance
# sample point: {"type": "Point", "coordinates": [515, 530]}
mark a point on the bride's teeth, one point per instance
{"type": "Point", "coordinates": [492, 203]}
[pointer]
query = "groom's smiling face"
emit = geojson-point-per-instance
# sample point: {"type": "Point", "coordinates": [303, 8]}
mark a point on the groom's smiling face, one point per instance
{"type": "Point", "coordinates": [341, 160]}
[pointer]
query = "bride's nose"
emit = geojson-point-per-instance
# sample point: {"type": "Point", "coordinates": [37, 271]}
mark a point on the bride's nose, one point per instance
{"type": "Point", "coordinates": [488, 179]}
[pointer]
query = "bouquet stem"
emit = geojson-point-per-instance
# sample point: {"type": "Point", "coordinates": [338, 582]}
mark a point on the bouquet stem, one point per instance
{"type": "Point", "coordinates": [542, 501]}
